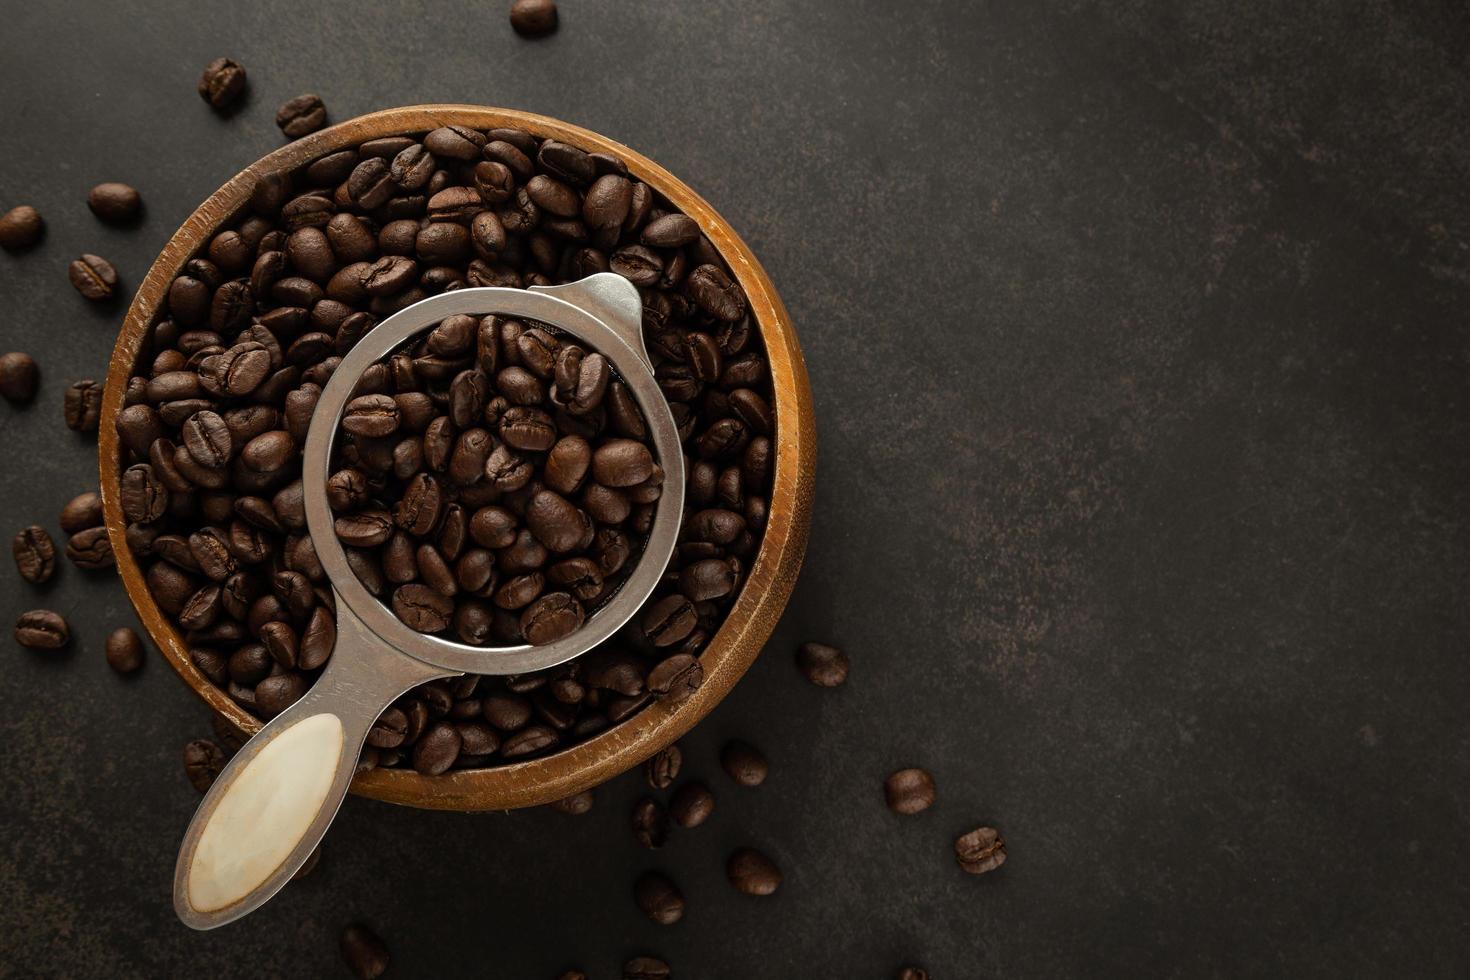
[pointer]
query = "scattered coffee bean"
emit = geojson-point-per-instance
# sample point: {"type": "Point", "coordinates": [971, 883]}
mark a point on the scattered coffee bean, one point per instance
{"type": "Point", "coordinates": [650, 823]}
{"type": "Point", "coordinates": [573, 975]}
{"type": "Point", "coordinates": [203, 762]}
{"type": "Point", "coordinates": [301, 115]}
{"type": "Point", "coordinates": [823, 665]}
{"type": "Point", "coordinates": [691, 805]}
{"type": "Point", "coordinates": [574, 805]}
{"type": "Point", "coordinates": [222, 83]}
{"type": "Point", "coordinates": [42, 629]}
{"type": "Point", "coordinates": [744, 763]}
{"type": "Point", "coordinates": [94, 277]}
{"type": "Point", "coordinates": [19, 377]}
{"type": "Point", "coordinates": [752, 872]}
{"type": "Point", "coordinates": [659, 898]}
{"type": "Point", "coordinates": [909, 791]}
{"type": "Point", "coordinates": [364, 952]}
{"type": "Point", "coordinates": [20, 228]}
{"type": "Point", "coordinates": [913, 973]}
{"type": "Point", "coordinates": [114, 203]}
{"type": "Point", "coordinates": [533, 18]}
{"type": "Point", "coordinates": [124, 650]}
{"type": "Point", "coordinates": [90, 549]}
{"type": "Point", "coordinates": [81, 512]}
{"type": "Point", "coordinates": [981, 850]}
{"type": "Point", "coordinates": [82, 406]}
{"type": "Point", "coordinates": [35, 554]}
{"type": "Point", "coordinates": [646, 968]}
{"type": "Point", "coordinates": [663, 768]}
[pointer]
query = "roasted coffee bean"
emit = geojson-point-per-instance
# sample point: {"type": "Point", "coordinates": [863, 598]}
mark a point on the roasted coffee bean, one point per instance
{"type": "Point", "coordinates": [668, 620]}
{"type": "Point", "coordinates": [670, 231]}
{"type": "Point", "coordinates": [278, 692]}
{"type": "Point", "coordinates": [981, 850]}
{"type": "Point", "coordinates": [90, 549]}
{"type": "Point", "coordinates": [35, 554]}
{"type": "Point", "coordinates": [422, 608]}
{"type": "Point", "coordinates": [550, 618]}
{"type": "Point", "coordinates": [823, 665]}
{"type": "Point", "coordinates": [42, 629]}
{"type": "Point", "coordinates": [661, 770]}
{"type": "Point", "coordinates": [913, 973]}
{"type": "Point", "coordinates": [744, 763]}
{"type": "Point", "coordinates": [676, 679]}
{"type": "Point", "coordinates": [650, 823]}
{"type": "Point", "coordinates": [529, 740]}
{"type": "Point", "coordinates": [203, 762]}
{"type": "Point", "coordinates": [81, 512]}
{"type": "Point", "coordinates": [20, 228]}
{"type": "Point", "coordinates": [621, 463]}
{"type": "Point", "coordinates": [646, 968]}
{"type": "Point", "coordinates": [575, 805]}
{"type": "Point", "coordinates": [691, 805]}
{"type": "Point", "coordinates": [19, 377]}
{"type": "Point", "coordinates": [144, 499]}
{"type": "Point", "coordinates": [222, 83]}
{"type": "Point", "coordinates": [301, 115]}
{"type": "Point", "coordinates": [124, 651]}
{"type": "Point", "coordinates": [659, 898]}
{"type": "Point", "coordinates": [366, 955]}
{"type": "Point", "coordinates": [909, 791]}
{"type": "Point", "coordinates": [82, 406]}
{"type": "Point", "coordinates": [114, 203]}
{"type": "Point", "coordinates": [752, 872]}
{"type": "Point", "coordinates": [711, 578]}
{"type": "Point", "coordinates": [436, 750]}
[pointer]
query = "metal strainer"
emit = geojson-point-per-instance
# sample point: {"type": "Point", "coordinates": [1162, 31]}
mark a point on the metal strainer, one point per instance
{"type": "Point", "coordinates": [273, 802]}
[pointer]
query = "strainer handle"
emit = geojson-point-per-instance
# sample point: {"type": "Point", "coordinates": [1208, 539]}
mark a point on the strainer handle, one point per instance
{"type": "Point", "coordinates": [270, 806]}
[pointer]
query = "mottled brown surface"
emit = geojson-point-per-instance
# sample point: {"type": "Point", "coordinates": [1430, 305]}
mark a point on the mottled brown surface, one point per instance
{"type": "Point", "coordinates": [1154, 553]}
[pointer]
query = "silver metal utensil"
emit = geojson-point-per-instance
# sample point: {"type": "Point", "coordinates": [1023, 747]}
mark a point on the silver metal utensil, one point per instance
{"type": "Point", "coordinates": [273, 802]}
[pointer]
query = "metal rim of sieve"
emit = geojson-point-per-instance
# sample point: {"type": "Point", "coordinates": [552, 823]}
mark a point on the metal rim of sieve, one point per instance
{"type": "Point", "coordinates": [603, 310]}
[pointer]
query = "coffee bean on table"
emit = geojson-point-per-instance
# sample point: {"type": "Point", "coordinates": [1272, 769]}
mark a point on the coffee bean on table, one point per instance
{"type": "Point", "coordinates": [93, 277]}
{"type": "Point", "coordinates": [90, 549]}
{"type": "Point", "coordinates": [646, 968]}
{"type": "Point", "coordinates": [752, 872]}
{"type": "Point", "coordinates": [650, 823]}
{"type": "Point", "coordinates": [691, 805]}
{"type": "Point", "coordinates": [124, 650]}
{"type": "Point", "coordinates": [981, 850]}
{"type": "Point", "coordinates": [822, 664]}
{"type": "Point", "coordinates": [573, 975]}
{"type": "Point", "coordinates": [82, 406]}
{"type": "Point", "coordinates": [20, 228]}
{"type": "Point", "coordinates": [203, 761]}
{"type": "Point", "coordinates": [301, 115]}
{"type": "Point", "coordinates": [81, 512]}
{"type": "Point", "coordinates": [222, 83]}
{"type": "Point", "coordinates": [35, 554]}
{"type": "Point", "coordinates": [574, 805]}
{"type": "Point", "coordinates": [533, 18]}
{"type": "Point", "coordinates": [913, 973]}
{"type": "Point", "coordinates": [115, 203]}
{"type": "Point", "coordinates": [909, 791]}
{"type": "Point", "coordinates": [744, 763]}
{"type": "Point", "coordinates": [42, 629]}
{"type": "Point", "coordinates": [366, 955]}
{"type": "Point", "coordinates": [659, 898]}
{"type": "Point", "coordinates": [19, 377]}
{"type": "Point", "coordinates": [661, 770]}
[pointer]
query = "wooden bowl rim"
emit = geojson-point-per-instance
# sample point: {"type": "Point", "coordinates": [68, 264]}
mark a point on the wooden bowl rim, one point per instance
{"type": "Point", "coordinates": [762, 598]}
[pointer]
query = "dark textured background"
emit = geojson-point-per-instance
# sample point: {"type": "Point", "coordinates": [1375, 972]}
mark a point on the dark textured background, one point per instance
{"type": "Point", "coordinates": [1138, 338]}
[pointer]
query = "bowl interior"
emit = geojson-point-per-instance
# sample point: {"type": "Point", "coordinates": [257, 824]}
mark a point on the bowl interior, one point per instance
{"type": "Point", "coordinates": [768, 583]}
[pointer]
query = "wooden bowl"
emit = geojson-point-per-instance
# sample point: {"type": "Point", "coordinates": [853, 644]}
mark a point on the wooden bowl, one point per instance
{"type": "Point", "coordinates": [756, 609]}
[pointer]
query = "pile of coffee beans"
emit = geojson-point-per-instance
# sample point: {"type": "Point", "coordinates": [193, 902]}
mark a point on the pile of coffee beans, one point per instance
{"type": "Point", "coordinates": [252, 328]}
{"type": "Point", "coordinates": [501, 504]}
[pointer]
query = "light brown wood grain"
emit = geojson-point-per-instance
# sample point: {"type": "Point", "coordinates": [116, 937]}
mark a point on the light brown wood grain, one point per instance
{"type": "Point", "coordinates": [771, 577]}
